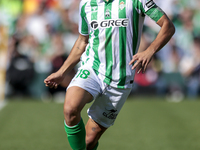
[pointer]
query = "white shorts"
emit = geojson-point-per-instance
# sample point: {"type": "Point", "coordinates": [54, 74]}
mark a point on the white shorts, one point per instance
{"type": "Point", "coordinates": [108, 100]}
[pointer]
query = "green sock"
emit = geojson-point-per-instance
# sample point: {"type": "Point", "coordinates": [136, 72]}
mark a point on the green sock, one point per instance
{"type": "Point", "coordinates": [95, 148]}
{"type": "Point", "coordinates": [76, 136]}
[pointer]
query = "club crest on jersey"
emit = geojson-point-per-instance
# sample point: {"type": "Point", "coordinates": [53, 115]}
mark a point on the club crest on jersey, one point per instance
{"type": "Point", "coordinates": [107, 14]}
{"type": "Point", "coordinates": [121, 5]}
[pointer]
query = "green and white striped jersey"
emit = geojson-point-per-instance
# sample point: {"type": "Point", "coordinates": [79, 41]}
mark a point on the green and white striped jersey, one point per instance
{"type": "Point", "coordinates": [114, 30]}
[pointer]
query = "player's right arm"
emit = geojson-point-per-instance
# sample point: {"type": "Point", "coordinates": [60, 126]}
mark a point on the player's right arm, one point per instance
{"type": "Point", "coordinates": [56, 78]}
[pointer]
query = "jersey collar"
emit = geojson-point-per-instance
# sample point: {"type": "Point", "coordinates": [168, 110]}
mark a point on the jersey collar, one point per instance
{"type": "Point", "coordinates": [109, 1]}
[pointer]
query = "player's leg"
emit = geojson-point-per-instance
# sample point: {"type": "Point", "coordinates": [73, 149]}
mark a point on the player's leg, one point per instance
{"type": "Point", "coordinates": [75, 100]}
{"type": "Point", "coordinates": [103, 113]}
{"type": "Point", "coordinates": [93, 134]}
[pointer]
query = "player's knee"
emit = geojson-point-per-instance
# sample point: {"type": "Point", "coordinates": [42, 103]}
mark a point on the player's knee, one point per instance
{"type": "Point", "coordinates": [90, 142]}
{"type": "Point", "coordinates": [70, 114]}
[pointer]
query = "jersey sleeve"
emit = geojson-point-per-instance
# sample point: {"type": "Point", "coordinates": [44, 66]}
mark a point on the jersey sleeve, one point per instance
{"type": "Point", "coordinates": [83, 24]}
{"type": "Point", "coordinates": [152, 10]}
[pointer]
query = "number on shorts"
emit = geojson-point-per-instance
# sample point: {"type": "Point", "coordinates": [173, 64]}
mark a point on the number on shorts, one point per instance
{"type": "Point", "coordinates": [83, 74]}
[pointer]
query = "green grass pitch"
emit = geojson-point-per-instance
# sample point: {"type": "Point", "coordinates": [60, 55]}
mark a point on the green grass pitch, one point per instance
{"type": "Point", "coordinates": [151, 124]}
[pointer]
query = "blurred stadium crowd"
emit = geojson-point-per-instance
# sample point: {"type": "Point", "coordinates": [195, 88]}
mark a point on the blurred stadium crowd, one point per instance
{"type": "Point", "coordinates": [42, 33]}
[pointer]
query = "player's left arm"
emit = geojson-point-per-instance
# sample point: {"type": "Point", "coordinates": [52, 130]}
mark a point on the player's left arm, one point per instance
{"type": "Point", "coordinates": [167, 30]}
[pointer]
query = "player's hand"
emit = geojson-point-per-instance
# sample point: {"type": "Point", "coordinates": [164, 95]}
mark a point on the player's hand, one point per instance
{"type": "Point", "coordinates": [141, 60]}
{"type": "Point", "coordinates": [54, 80]}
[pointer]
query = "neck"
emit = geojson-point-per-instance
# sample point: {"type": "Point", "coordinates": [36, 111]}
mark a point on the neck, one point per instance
{"type": "Point", "coordinates": [107, 0]}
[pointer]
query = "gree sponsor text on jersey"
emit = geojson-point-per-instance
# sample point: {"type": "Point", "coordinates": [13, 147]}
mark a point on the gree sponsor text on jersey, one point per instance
{"type": "Point", "coordinates": [109, 23]}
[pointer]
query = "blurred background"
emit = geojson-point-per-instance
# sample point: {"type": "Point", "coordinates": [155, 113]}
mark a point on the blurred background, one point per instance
{"type": "Point", "coordinates": [36, 37]}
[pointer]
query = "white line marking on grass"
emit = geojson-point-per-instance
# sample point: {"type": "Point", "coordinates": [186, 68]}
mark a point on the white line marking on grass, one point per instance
{"type": "Point", "coordinates": [2, 105]}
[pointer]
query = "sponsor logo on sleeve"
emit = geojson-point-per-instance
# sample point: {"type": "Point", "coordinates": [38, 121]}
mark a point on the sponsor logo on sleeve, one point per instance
{"type": "Point", "coordinates": [150, 3]}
